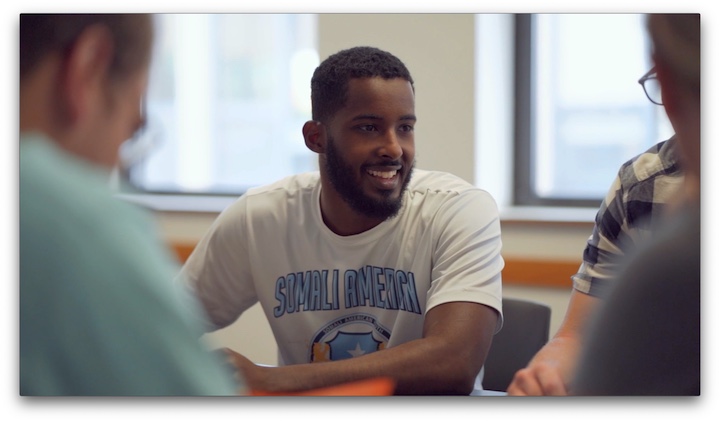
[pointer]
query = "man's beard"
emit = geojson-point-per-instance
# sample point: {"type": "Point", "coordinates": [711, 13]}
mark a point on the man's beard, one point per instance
{"type": "Point", "coordinates": [341, 177]}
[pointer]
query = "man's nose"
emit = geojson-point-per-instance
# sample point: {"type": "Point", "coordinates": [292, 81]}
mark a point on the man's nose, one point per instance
{"type": "Point", "coordinates": [391, 146]}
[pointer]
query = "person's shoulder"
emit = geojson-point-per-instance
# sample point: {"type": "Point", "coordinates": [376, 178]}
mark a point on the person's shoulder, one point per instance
{"type": "Point", "coordinates": [292, 191]}
{"type": "Point", "coordinates": [660, 160]}
{"type": "Point", "coordinates": [289, 186]}
{"type": "Point", "coordinates": [70, 203]}
{"type": "Point", "coordinates": [442, 183]}
{"type": "Point", "coordinates": [54, 182]}
{"type": "Point", "coordinates": [432, 191]}
{"type": "Point", "coordinates": [438, 181]}
{"type": "Point", "coordinates": [444, 200]}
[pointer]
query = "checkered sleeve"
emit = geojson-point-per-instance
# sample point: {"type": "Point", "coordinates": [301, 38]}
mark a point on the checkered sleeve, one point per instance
{"type": "Point", "coordinates": [635, 199]}
{"type": "Point", "coordinates": [603, 248]}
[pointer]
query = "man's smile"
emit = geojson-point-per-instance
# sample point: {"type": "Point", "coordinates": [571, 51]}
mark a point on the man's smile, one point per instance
{"type": "Point", "coordinates": [384, 177]}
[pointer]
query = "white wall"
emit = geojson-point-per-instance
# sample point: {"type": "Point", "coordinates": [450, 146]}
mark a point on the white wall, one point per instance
{"type": "Point", "coordinates": [439, 51]}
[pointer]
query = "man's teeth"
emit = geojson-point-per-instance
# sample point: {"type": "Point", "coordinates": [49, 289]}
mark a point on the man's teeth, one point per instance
{"type": "Point", "coordinates": [383, 174]}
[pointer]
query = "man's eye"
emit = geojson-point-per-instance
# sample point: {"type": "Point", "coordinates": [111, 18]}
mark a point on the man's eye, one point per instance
{"type": "Point", "coordinates": [407, 128]}
{"type": "Point", "coordinates": [367, 128]}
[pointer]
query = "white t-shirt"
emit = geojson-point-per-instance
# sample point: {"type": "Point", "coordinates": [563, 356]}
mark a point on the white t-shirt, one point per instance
{"type": "Point", "coordinates": [330, 297]}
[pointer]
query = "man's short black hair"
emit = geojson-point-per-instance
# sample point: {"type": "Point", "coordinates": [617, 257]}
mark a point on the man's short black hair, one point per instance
{"type": "Point", "coordinates": [330, 81]}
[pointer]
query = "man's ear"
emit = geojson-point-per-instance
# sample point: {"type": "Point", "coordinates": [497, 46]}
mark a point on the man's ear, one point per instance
{"type": "Point", "coordinates": [314, 134]}
{"type": "Point", "coordinates": [86, 71]}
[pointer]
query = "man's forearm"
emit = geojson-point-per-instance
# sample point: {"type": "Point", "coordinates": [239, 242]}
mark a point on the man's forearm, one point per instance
{"type": "Point", "coordinates": [456, 339]}
{"type": "Point", "coordinates": [419, 367]}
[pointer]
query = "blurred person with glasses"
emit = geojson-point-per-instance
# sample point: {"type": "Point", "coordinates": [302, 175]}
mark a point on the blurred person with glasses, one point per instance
{"type": "Point", "coordinates": [645, 337]}
{"type": "Point", "coordinates": [99, 315]}
{"type": "Point", "coordinates": [651, 86]}
{"type": "Point", "coordinates": [630, 213]}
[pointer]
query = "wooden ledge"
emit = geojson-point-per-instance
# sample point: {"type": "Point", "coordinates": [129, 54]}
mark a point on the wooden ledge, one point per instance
{"type": "Point", "coordinates": [539, 272]}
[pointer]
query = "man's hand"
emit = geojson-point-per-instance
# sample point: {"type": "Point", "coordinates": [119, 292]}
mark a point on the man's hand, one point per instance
{"type": "Point", "coordinates": [540, 378]}
{"type": "Point", "coordinates": [252, 375]}
{"type": "Point", "coordinates": [550, 371]}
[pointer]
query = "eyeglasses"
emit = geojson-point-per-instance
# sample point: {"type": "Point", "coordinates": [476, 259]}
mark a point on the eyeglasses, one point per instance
{"type": "Point", "coordinates": [142, 142]}
{"type": "Point", "coordinates": [651, 86]}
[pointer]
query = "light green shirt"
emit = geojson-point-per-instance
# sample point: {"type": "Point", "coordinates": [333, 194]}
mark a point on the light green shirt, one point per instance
{"type": "Point", "coordinates": [99, 314]}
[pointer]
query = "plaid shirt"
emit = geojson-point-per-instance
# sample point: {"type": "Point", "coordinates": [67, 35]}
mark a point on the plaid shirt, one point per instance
{"type": "Point", "coordinates": [633, 204]}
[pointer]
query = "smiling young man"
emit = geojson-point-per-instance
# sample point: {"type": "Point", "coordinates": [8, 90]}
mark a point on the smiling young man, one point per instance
{"type": "Point", "coordinates": [367, 154]}
{"type": "Point", "coordinates": [366, 268]}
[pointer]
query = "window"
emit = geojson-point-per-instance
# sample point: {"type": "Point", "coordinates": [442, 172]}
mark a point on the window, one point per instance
{"type": "Point", "coordinates": [579, 110]}
{"type": "Point", "coordinates": [229, 93]}
{"type": "Point", "coordinates": [227, 97]}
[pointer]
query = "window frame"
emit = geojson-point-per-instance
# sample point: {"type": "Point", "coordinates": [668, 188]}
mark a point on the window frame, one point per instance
{"type": "Point", "coordinates": [509, 160]}
{"type": "Point", "coordinates": [523, 163]}
{"type": "Point", "coordinates": [126, 178]}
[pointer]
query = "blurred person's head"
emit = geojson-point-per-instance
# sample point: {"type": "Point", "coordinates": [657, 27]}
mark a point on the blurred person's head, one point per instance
{"type": "Point", "coordinates": [676, 53]}
{"type": "Point", "coordinates": [82, 79]}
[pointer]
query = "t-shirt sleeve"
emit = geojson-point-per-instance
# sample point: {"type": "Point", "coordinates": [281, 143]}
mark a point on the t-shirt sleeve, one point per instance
{"type": "Point", "coordinates": [218, 272]}
{"type": "Point", "coordinates": [467, 261]}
